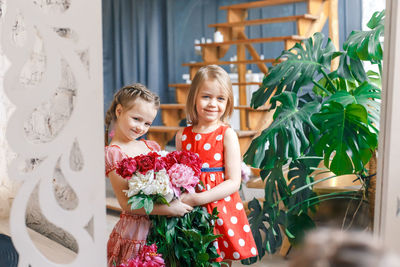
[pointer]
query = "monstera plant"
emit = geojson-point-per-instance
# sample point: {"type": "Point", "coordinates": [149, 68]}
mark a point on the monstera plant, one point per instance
{"type": "Point", "coordinates": [322, 113]}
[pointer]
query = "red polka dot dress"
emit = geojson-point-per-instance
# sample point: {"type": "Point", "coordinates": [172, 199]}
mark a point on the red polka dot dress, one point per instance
{"type": "Point", "coordinates": [237, 242]}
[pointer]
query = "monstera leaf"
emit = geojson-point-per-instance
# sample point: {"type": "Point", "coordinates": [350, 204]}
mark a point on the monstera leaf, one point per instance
{"type": "Point", "coordinates": [344, 132]}
{"type": "Point", "coordinates": [299, 67]}
{"type": "Point", "coordinates": [366, 45]}
{"type": "Point", "coordinates": [299, 177]}
{"type": "Point", "coordinates": [287, 136]}
{"type": "Point", "coordinates": [366, 95]}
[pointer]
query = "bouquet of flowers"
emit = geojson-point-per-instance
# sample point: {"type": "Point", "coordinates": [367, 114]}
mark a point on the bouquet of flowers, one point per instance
{"type": "Point", "coordinates": [158, 177]}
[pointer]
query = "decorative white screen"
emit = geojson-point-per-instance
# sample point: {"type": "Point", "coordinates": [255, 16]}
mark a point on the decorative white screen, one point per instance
{"type": "Point", "coordinates": [68, 35]}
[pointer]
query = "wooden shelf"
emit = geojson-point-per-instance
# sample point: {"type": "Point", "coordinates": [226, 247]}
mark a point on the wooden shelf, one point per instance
{"type": "Point", "coordinates": [251, 41]}
{"type": "Point", "coordinates": [260, 109]}
{"type": "Point", "coordinates": [201, 64]}
{"type": "Point", "coordinates": [187, 85]}
{"type": "Point", "coordinates": [182, 106]}
{"type": "Point", "coordinates": [257, 4]}
{"type": "Point", "coordinates": [112, 204]}
{"type": "Point", "coordinates": [162, 129]}
{"type": "Point", "coordinates": [264, 21]}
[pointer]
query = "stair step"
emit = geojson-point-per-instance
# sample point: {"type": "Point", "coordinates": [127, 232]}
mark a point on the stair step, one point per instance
{"type": "Point", "coordinates": [174, 129]}
{"type": "Point", "coordinates": [112, 204]}
{"type": "Point", "coordinates": [264, 21]}
{"type": "Point", "coordinates": [187, 85]}
{"type": "Point", "coordinates": [200, 64]}
{"type": "Point", "coordinates": [257, 4]}
{"type": "Point", "coordinates": [172, 114]}
{"type": "Point", "coordinates": [182, 90]}
{"type": "Point", "coordinates": [257, 40]}
{"type": "Point", "coordinates": [182, 106]}
{"type": "Point", "coordinates": [256, 183]}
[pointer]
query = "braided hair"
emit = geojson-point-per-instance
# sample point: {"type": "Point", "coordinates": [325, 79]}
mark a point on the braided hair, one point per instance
{"type": "Point", "coordinates": [126, 97]}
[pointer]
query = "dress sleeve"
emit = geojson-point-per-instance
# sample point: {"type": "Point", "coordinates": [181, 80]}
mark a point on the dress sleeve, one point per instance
{"type": "Point", "coordinates": [113, 155]}
{"type": "Point", "coordinates": [152, 145]}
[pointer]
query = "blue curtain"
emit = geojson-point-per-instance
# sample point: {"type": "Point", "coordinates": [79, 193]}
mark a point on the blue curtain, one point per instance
{"type": "Point", "coordinates": [134, 46]}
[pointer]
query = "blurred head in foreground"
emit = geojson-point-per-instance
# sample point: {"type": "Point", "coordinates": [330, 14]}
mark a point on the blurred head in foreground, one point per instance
{"type": "Point", "coordinates": [335, 248]}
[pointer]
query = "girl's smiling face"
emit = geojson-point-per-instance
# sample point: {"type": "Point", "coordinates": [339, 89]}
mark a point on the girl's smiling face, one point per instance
{"type": "Point", "coordinates": [136, 121]}
{"type": "Point", "coordinates": [211, 102]}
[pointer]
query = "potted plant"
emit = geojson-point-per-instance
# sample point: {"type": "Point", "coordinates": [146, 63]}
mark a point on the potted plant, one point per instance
{"type": "Point", "coordinates": [321, 114]}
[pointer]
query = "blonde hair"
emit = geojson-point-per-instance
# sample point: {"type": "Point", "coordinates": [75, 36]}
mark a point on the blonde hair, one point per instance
{"type": "Point", "coordinates": [210, 72]}
{"type": "Point", "coordinates": [126, 97]}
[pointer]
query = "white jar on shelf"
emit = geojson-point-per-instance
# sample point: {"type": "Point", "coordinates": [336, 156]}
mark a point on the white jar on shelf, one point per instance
{"type": "Point", "coordinates": [218, 37]}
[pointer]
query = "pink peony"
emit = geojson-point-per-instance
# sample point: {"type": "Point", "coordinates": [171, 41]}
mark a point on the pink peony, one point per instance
{"type": "Point", "coordinates": [159, 164]}
{"type": "Point", "coordinates": [148, 257]}
{"type": "Point", "coordinates": [192, 160]}
{"type": "Point", "coordinates": [182, 176]}
{"type": "Point", "coordinates": [126, 167]}
{"type": "Point", "coordinates": [171, 158]}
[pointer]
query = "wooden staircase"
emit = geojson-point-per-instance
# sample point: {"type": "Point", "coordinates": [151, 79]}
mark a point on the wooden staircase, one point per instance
{"type": "Point", "coordinates": [233, 31]}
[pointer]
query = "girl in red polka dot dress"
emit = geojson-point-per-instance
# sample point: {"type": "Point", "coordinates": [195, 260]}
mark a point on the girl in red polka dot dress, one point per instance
{"type": "Point", "coordinates": [209, 106]}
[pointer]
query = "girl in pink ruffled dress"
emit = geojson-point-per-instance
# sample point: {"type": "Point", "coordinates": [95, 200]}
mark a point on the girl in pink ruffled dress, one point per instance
{"type": "Point", "coordinates": [132, 111]}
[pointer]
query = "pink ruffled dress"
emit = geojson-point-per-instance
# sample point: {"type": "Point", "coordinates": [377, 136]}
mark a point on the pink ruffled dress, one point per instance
{"type": "Point", "coordinates": [130, 233]}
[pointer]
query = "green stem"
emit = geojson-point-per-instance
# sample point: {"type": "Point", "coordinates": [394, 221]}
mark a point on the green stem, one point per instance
{"type": "Point", "coordinates": [320, 87]}
{"type": "Point", "coordinates": [315, 169]}
{"type": "Point", "coordinates": [325, 197]}
{"type": "Point", "coordinates": [328, 79]}
{"type": "Point", "coordinates": [310, 157]}
{"type": "Point", "coordinates": [310, 184]}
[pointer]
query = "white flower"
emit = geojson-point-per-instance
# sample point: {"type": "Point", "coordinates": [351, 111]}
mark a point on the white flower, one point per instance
{"type": "Point", "coordinates": [163, 187]}
{"type": "Point", "coordinates": [150, 184]}
{"type": "Point", "coordinates": [162, 153]}
{"type": "Point", "coordinates": [140, 182]}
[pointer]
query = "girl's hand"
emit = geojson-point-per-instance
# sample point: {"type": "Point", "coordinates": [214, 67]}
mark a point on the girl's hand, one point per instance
{"type": "Point", "coordinates": [190, 199]}
{"type": "Point", "coordinates": [178, 208]}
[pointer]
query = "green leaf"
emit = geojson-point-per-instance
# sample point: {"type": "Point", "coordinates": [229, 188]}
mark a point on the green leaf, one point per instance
{"type": "Point", "coordinates": [297, 225]}
{"type": "Point", "coordinates": [342, 128]}
{"type": "Point", "coordinates": [137, 202]}
{"type": "Point", "coordinates": [366, 94]}
{"type": "Point", "coordinates": [203, 257]}
{"type": "Point", "coordinates": [287, 135]}
{"type": "Point", "coordinates": [299, 67]}
{"type": "Point", "coordinates": [366, 45]}
{"type": "Point", "coordinates": [257, 218]}
{"type": "Point", "coordinates": [298, 177]}
{"type": "Point", "coordinates": [184, 241]}
{"type": "Point", "coordinates": [148, 205]}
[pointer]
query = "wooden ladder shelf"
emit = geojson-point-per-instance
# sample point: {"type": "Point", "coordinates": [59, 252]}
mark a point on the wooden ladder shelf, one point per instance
{"type": "Point", "coordinates": [233, 31]}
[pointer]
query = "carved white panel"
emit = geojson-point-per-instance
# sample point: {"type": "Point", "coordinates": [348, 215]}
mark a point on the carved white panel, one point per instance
{"type": "Point", "coordinates": [68, 35]}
